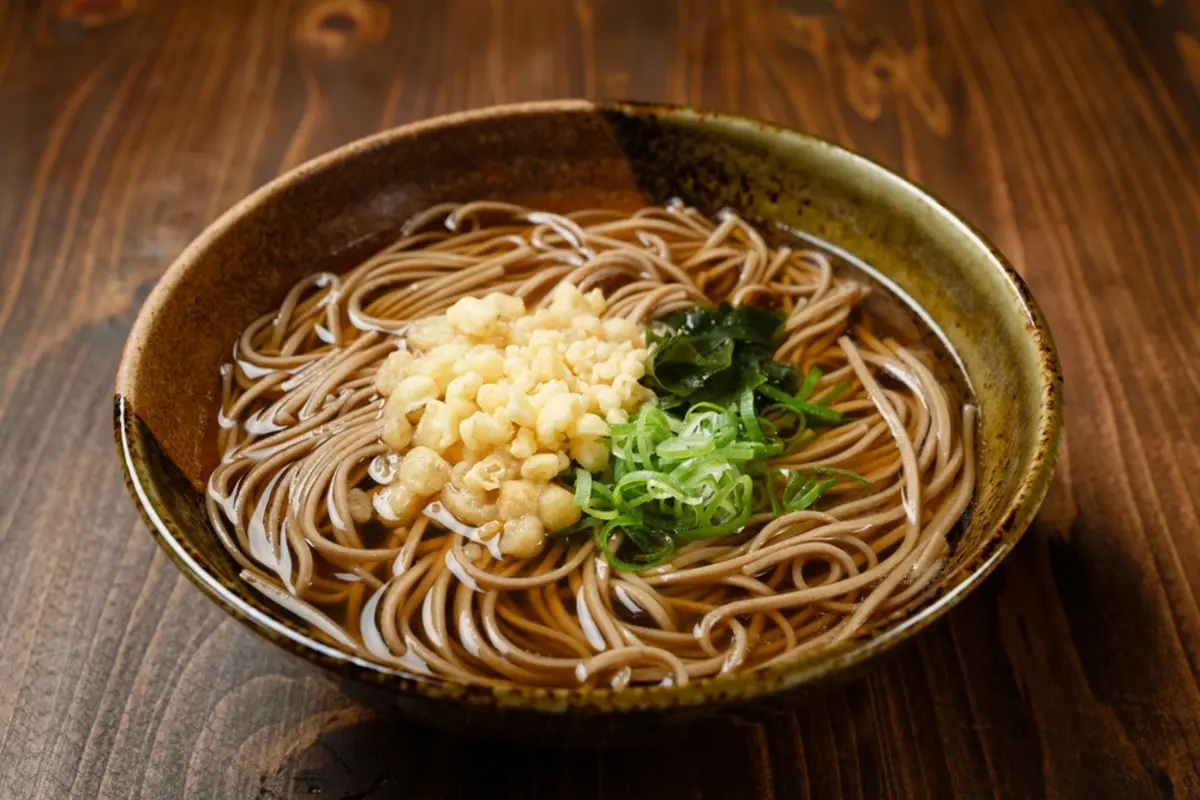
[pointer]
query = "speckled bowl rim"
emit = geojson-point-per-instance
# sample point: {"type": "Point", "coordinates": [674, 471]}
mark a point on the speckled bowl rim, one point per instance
{"type": "Point", "coordinates": [997, 542]}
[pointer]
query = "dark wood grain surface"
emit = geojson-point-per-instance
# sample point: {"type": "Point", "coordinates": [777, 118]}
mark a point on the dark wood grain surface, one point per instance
{"type": "Point", "coordinates": [1066, 129]}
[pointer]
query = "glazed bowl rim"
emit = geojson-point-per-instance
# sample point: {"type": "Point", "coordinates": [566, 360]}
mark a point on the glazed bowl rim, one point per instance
{"type": "Point", "coordinates": [1015, 517]}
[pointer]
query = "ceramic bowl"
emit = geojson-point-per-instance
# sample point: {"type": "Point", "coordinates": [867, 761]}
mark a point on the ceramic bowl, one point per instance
{"type": "Point", "coordinates": [336, 209]}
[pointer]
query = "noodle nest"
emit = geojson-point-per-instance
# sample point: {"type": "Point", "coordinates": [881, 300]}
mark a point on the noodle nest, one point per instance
{"type": "Point", "coordinates": [300, 442]}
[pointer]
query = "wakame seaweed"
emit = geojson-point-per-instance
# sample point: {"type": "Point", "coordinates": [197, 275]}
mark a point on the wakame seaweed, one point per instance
{"type": "Point", "coordinates": [710, 355]}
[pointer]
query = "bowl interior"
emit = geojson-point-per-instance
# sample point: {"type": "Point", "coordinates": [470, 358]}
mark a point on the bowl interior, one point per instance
{"type": "Point", "coordinates": [561, 156]}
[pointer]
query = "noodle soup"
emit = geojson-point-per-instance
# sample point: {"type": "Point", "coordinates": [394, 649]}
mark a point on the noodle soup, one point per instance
{"type": "Point", "coordinates": [592, 449]}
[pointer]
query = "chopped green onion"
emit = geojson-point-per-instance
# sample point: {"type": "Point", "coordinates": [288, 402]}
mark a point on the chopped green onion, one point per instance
{"type": "Point", "coordinates": [583, 487]}
{"type": "Point", "coordinates": [804, 486]}
{"type": "Point", "coordinates": [643, 561]}
{"type": "Point", "coordinates": [800, 494]}
{"type": "Point", "coordinates": [828, 397]}
{"type": "Point", "coordinates": [676, 480]}
{"type": "Point", "coordinates": [823, 413]}
{"type": "Point", "coordinates": [749, 418]}
{"type": "Point", "coordinates": [836, 472]}
{"type": "Point", "coordinates": [810, 383]}
{"type": "Point", "coordinates": [689, 446]}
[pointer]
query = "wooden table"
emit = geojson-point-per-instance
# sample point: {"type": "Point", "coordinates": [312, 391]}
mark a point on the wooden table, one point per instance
{"type": "Point", "coordinates": [1066, 129]}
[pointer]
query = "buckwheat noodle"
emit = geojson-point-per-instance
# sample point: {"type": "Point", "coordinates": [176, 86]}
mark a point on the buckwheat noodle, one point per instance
{"type": "Point", "coordinates": [292, 499]}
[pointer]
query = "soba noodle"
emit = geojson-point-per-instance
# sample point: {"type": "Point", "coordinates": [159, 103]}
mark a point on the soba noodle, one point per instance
{"type": "Point", "coordinates": [302, 458]}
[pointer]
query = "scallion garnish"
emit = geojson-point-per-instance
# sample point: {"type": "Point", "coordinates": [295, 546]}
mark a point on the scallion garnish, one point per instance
{"type": "Point", "coordinates": [674, 480]}
{"type": "Point", "coordinates": [682, 478]}
{"type": "Point", "coordinates": [814, 410]}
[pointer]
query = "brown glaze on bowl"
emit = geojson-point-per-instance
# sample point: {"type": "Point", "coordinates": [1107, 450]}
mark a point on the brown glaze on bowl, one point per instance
{"type": "Point", "coordinates": [566, 155]}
